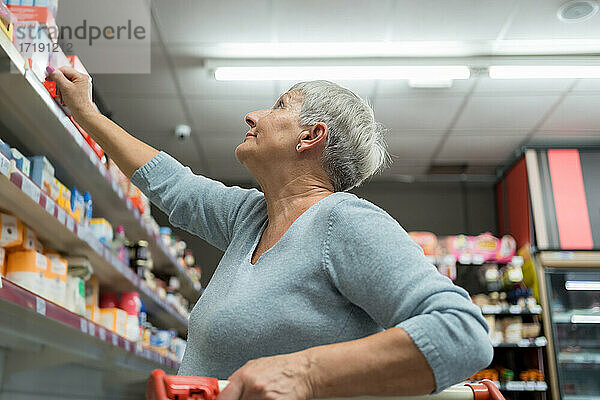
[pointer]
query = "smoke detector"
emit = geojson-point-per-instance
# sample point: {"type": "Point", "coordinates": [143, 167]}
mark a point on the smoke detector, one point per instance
{"type": "Point", "coordinates": [577, 10]}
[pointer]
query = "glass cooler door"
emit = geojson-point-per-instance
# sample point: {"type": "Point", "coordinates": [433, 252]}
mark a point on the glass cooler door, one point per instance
{"type": "Point", "coordinates": [574, 297]}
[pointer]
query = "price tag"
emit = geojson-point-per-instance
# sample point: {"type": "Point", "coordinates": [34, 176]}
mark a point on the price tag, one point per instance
{"type": "Point", "coordinates": [120, 192]}
{"type": "Point", "coordinates": [523, 343]}
{"type": "Point", "coordinates": [537, 309]}
{"type": "Point", "coordinates": [541, 386]}
{"type": "Point", "coordinates": [541, 341]}
{"type": "Point", "coordinates": [530, 385]}
{"type": "Point", "coordinates": [103, 169]}
{"type": "Point", "coordinates": [477, 259]}
{"type": "Point", "coordinates": [115, 339]}
{"type": "Point", "coordinates": [40, 306]}
{"type": "Point", "coordinates": [61, 215]}
{"type": "Point", "coordinates": [114, 185]}
{"type": "Point", "coordinates": [127, 346]}
{"type": "Point", "coordinates": [83, 325]}
{"type": "Point", "coordinates": [70, 224]}
{"type": "Point", "coordinates": [92, 156]}
{"type": "Point", "coordinates": [136, 213]}
{"type": "Point", "coordinates": [129, 204]}
{"type": "Point", "coordinates": [465, 259]}
{"type": "Point", "coordinates": [4, 166]}
{"type": "Point", "coordinates": [31, 190]}
{"type": "Point", "coordinates": [491, 309]}
{"type": "Point", "coordinates": [91, 328]}
{"type": "Point", "coordinates": [515, 385]}
{"type": "Point", "coordinates": [50, 205]}
{"type": "Point", "coordinates": [102, 333]}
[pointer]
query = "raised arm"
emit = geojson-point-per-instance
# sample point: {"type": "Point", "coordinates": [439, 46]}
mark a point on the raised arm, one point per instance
{"type": "Point", "coordinates": [126, 151]}
{"type": "Point", "coordinates": [202, 206]}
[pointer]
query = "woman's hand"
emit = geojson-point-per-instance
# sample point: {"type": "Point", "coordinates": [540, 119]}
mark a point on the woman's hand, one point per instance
{"type": "Point", "coordinates": [283, 377]}
{"type": "Point", "coordinates": [74, 89]}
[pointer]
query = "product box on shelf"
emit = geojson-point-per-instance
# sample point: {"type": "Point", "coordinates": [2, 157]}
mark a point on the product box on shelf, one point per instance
{"type": "Point", "coordinates": [32, 40]}
{"type": "Point", "coordinates": [2, 261]}
{"type": "Point", "coordinates": [26, 268]}
{"type": "Point", "coordinates": [93, 145]}
{"type": "Point", "coordinates": [44, 15]}
{"type": "Point", "coordinates": [56, 278]}
{"type": "Point", "coordinates": [11, 232]}
{"type": "Point", "coordinates": [42, 173]}
{"type": "Point", "coordinates": [115, 320]}
{"type": "Point", "coordinates": [21, 162]}
{"type": "Point", "coordinates": [29, 240]}
{"type": "Point", "coordinates": [6, 20]}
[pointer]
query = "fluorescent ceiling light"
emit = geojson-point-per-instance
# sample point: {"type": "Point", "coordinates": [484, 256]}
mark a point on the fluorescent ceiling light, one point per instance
{"type": "Point", "coordinates": [582, 285]}
{"type": "Point", "coordinates": [378, 72]}
{"type": "Point", "coordinates": [544, 71]}
{"type": "Point", "coordinates": [585, 319]}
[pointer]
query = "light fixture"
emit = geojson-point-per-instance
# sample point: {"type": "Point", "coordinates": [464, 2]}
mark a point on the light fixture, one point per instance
{"type": "Point", "coordinates": [544, 71]}
{"type": "Point", "coordinates": [585, 319]}
{"type": "Point", "coordinates": [582, 285]}
{"type": "Point", "coordinates": [577, 10]}
{"type": "Point", "coordinates": [420, 74]}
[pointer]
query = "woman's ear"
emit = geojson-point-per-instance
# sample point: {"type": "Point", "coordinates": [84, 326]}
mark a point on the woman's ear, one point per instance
{"type": "Point", "coordinates": [316, 134]}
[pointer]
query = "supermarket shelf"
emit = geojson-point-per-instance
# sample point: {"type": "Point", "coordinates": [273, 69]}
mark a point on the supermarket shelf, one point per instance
{"type": "Point", "coordinates": [533, 342]}
{"type": "Point", "coordinates": [567, 317]}
{"type": "Point", "coordinates": [566, 259]}
{"type": "Point", "coordinates": [579, 397]}
{"type": "Point", "coordinates": [60, 232]}
{"type": "Point", "coordinates": [521, 386]}
{"type": "Point", "coordinates": [28, 109]}
{"type": "Point", "coordinates": [511, 310]}
{"type": "Point", "coordinates": [30, 323]}
{"type": "Point", "coordinates": [579, 358]}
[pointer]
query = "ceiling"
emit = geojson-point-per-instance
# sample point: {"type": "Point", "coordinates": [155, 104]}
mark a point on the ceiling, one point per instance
{"type": "Point", "coordinates": [479, 121]}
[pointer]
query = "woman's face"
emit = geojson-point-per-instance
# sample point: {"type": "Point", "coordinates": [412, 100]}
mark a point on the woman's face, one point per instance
{"type": "Point", "coordinates": [273, 135]}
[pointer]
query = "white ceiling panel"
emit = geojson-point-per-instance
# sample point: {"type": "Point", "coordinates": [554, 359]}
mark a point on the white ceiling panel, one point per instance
{"type": "Point", "coordinates": [418, 146]}
{"type": "Point", "coordinates": [225, 117]}
{"type": "Point", "coordinates": [536, 19]}
{"type": "Point", "coordinates": [576, 112]}
{"type": "Point", "coordinates": [492, 86]}
{"type": "Point", "coordinates": [587, 85]}
{"type": "Point", "coordinates": [403, 168]}
{"type": "Point", "coordinates": [482, 150]}
{"type": "Point", "coordinates": [461, 20]}
{"type": "Point", "coordinates": [158, 82]}
{"type": "Point", "coordinates": [147, 115]}
{"type": "Point", "coordinates": [491, 132]}
{"type": "Point", "coordinates": [329, 21]}
{"type": "Point", "coordinates": [193, 21]}
{"type": "Point", "coordinates": [505, 112]}
{"type": "Point", "coordinates": [413, 113]}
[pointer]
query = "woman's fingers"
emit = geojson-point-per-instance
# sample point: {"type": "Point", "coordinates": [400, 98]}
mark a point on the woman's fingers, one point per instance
{"type": "Point", "coordinates": [233, 391]}
{"type": "Point", "coordinates": [56, 75]}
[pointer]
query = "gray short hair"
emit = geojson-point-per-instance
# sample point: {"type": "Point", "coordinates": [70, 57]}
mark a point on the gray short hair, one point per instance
{"type": "Point", "coordinates": [355, 148]}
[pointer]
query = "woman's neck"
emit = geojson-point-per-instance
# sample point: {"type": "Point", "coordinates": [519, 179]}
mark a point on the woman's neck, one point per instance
{"type": "Point", "coordinates": [288, 199]}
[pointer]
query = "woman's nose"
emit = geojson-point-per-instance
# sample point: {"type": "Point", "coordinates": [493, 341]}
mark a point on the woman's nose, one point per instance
{"type": "Point", "coordinates": [251, 119]}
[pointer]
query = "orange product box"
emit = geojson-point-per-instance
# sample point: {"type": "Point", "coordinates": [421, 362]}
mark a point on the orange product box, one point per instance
{"type": "Point", "coordinates": [114, 319]}
{"type": "Point", "coordinates": [27, 268]}
{"type": "Point", "coordinates": [91, 142]}
{"type": "Point", "coordinates": [11, 231]}
{"type": "Point", "coordinates": [2, 261]}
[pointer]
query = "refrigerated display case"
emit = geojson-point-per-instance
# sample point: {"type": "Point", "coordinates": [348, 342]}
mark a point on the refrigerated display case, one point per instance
{"type": "Point", "coordinates": [570, 292]}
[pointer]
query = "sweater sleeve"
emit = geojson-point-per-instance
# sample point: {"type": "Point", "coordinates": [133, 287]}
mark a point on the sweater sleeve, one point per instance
{"type": "Point", "coordinates": [374, 263]}
{"type": "Point", "coordinates": [202, 206]}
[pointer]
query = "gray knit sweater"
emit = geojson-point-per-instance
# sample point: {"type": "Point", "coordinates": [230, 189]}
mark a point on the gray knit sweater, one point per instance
{"type": "Point", "coordinates": [344, 270]}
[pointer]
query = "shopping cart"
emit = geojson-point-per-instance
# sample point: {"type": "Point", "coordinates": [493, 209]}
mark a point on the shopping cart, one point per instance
{"type": "Point", "coordinates": [171, 387]}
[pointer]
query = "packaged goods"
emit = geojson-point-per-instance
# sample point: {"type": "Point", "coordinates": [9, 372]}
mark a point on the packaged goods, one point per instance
{"type": "Point", "coordinates": [79, 266]}
{"type": "Point", "coordinates": [26, 268]}
{"type": "Point", "coordinates": [29, 241]}
{"type": "Point", "coordinates": [64, 197]}
{"type": "Point", "coordinates": [42, 173]}
{"type": "Point", "coordinates": [75, 295]}
{"type": "Point", "coordinates": [114, 319]}
{"type": "Point", "coordinates": [2, 261]}
{"type": "Point", "coordinates": [130, 303]}
{"type": "Point", "coordinates": [102, 229]}
{"type": "Point", "coordinates": [77, 208]}
{"type": "Point", "coordinates": [56, 278]}
{"type": "Point", "coordinates": [11, 232]}
{"type": "Point", "coordinates": [20, 161]}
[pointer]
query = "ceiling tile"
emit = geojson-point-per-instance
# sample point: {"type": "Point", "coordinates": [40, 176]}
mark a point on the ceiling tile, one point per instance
{"type": "Point", "coordinates": [576, 112]}
{"type": "Point", "coordinates": [400, 114]}
{"type": "Point", "coordinates": [183, 150]}
{"type": "Point", "coordinates": [454, 20]}
{"type": "Point", "coordinates": [225, 117]}
{"type": "Point", "coordinates": [481, 150]}
{"type": "Point", "coordinates": [330, 21]}
{"type": "Point", "coordinates": [418, 146]}
{"type": "Point", "coordinates": [505, 112]}
{"type": "Point", "coordinates": [525, 86]}
{"type": "Point", "coordinates": [146, 114]}
{"type": "Point", "coordinates": [397, 169]}
{"type": "Point", "coordinates": [491, 132]}
{"type": "Point", "coordinates": [158, 82]}
{"type": "Point", "coordinates": [536, 19]}
{"type": "Point", "coordinates": [192, 21]}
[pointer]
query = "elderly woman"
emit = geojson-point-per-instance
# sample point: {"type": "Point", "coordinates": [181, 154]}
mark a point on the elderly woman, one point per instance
{"type": "Point", "coordinates": [319, 293]}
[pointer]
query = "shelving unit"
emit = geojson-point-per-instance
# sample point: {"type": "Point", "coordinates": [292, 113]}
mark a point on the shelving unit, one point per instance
{"type": "Point", "coordinates": [24, 198]}
{"type": "Point", "coordinates": [536, 342]}
{"type": "Point", "coordinates": [39, 335]}
{"type": "Point", "coordinates": [26, 107]}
